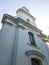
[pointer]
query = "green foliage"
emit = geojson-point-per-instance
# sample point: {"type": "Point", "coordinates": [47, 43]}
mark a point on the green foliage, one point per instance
{"type": "Point", "coordinates": [48, 36]}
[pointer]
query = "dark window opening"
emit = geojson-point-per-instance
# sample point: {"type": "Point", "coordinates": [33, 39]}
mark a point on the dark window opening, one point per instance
{"type": "Point", "coordinates": [31, 37]}
{"type": "Point", "coordinates": [28, 20]}
{"type": "Point", "coordinates": [35, 62]}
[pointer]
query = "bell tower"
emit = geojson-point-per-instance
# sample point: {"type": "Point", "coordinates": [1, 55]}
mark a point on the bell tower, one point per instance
{"type": "Point", "coordinates": [25, 15]}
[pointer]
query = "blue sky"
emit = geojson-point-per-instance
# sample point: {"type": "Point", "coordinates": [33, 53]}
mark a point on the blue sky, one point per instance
{"type": "Point", "coordinates": [38, 8]}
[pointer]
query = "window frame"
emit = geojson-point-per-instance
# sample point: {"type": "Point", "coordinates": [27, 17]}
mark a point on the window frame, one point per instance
{"type": "Point", "coordinates": [35, 55]}
{"type": "Point", "coordinates": [31, 38]}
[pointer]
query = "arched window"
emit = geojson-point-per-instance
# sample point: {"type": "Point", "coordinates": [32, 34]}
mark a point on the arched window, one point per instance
{"type": "Point", "coordinates": [35, 57]}
{"type": "Point", "coordinates": [35, 61]}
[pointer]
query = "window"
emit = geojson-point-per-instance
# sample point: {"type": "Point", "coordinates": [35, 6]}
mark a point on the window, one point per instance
{"type": "Point", "coordinates": [31, 37]}
{"type": "Point", "coordinates": [35, 57]}
{"type": "Point", "coordinates": [35, 62]}
{"type": "Point", "coordinates": [28, 20]}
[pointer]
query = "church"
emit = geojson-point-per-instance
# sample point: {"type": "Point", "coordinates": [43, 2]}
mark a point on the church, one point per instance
{"type": "Point", "coordinates": [21, 42]}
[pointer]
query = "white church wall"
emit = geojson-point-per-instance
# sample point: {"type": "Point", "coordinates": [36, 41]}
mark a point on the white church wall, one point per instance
{"type": "Point", "coordinates": [7, 42]}
{"type": "Point", "coordinates": [23, 47]}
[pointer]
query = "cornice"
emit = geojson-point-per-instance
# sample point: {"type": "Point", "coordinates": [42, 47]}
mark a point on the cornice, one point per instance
{"type": "Point", "coordinates": [7, 16]}
{"type": "Point", "coordinates": [28, 25]}
{"type": "Point", "coordinates": [19, 20]}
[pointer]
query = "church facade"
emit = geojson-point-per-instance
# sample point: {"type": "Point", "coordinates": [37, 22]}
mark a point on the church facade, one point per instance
{"type": "Point", "coordinates": [21, 42]}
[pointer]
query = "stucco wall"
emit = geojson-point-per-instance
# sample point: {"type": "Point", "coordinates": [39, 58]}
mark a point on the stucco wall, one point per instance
{"type": "Point", "coordinates": [7, 44]}
{"type": "Point", "coordinates": [22, 59]}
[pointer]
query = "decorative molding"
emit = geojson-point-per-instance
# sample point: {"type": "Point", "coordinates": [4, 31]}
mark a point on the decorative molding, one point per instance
{"type": "Point", "coordinates": [19, 20]}
{"type": "Point", "coordinates": [35, 46]}
{"type": "Point", "coordinates": [35, 53]}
